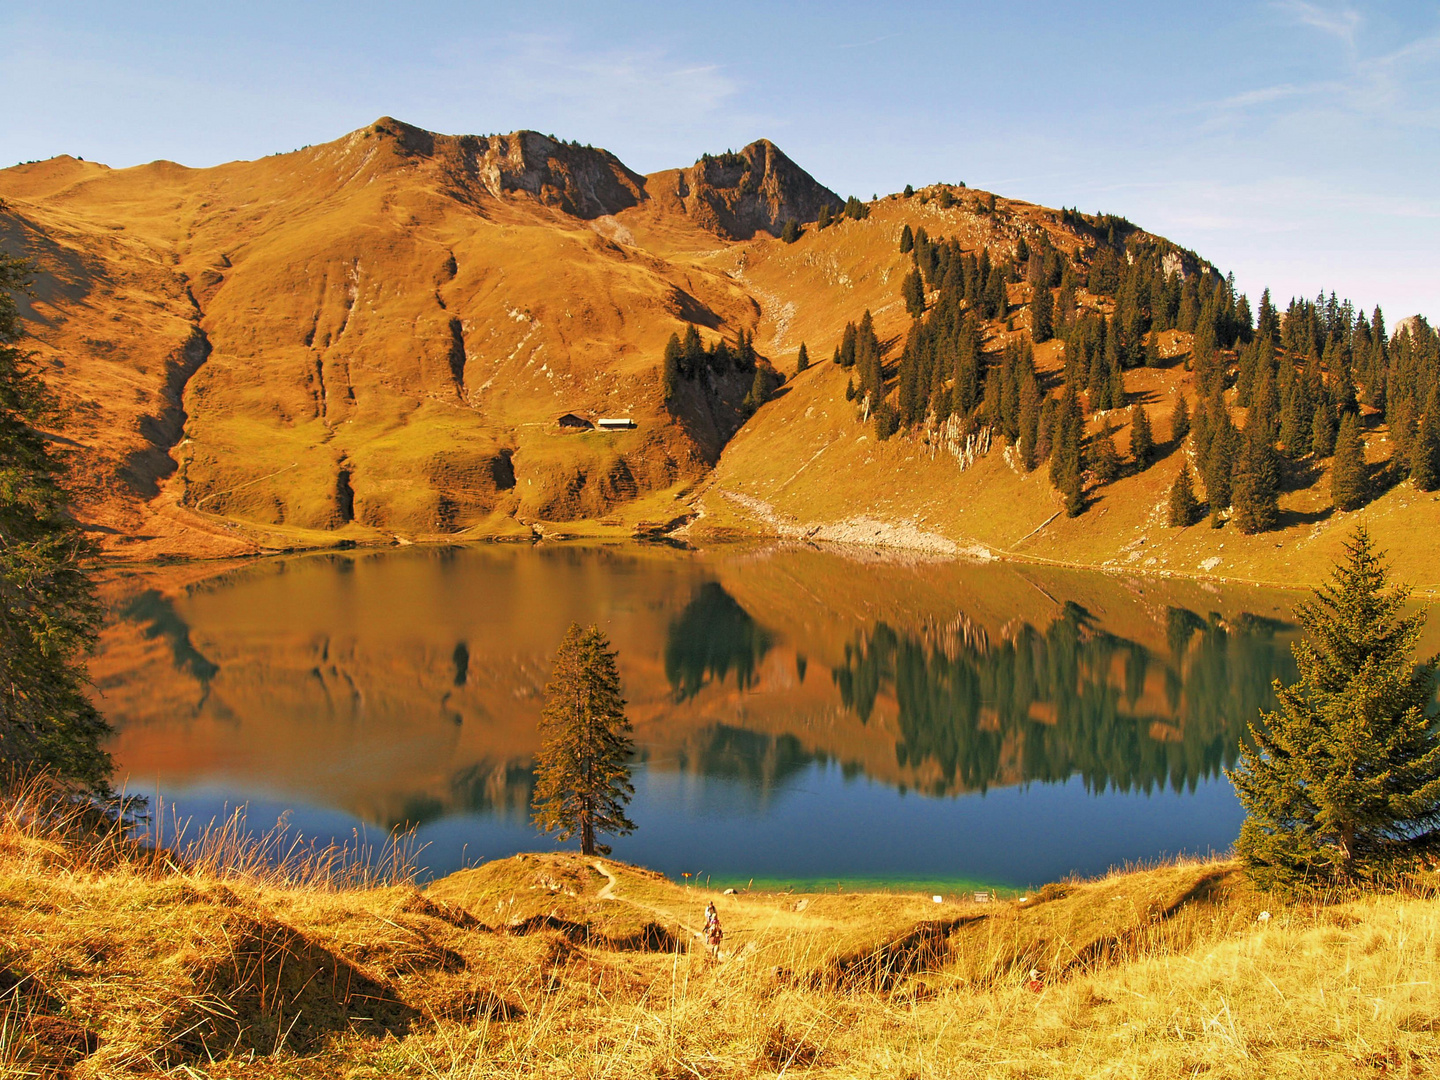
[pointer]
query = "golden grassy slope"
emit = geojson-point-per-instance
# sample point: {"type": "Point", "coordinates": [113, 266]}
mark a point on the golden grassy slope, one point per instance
{"type": "Point", "coordinates": [806, 465]}
{"type": "Point", "coordinates": [374, 337]}
{"type": "Point", "coordinates": [363, 317]}
{"type": "Point", "coordinates": [116, 962]}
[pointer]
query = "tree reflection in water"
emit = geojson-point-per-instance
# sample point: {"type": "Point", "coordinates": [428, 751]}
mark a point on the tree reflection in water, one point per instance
{"type": "Point", "coordinates": [1071, 699]}
{"type": "Point", "coordinates": [712, 637]}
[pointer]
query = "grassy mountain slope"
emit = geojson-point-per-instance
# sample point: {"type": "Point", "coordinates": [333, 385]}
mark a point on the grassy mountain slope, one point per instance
{"type": "Point", "coordinates": [374, 338]}
{"type": "Point", "coordinates": [808, 465]}
{"type": "Point", "coordinates": [369, 337]}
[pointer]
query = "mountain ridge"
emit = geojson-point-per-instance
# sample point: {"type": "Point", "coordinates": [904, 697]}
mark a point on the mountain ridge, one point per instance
{"type": "Point", "coordinates": [375, 338]}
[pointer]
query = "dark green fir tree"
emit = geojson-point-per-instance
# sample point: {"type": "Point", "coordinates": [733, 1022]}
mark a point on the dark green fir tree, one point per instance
{"type": "Point", "coordinates": [1104, 457]}
{"type": "Point", "coordinates": [1180, 420]}
{"type": "Point", "coordinates": [1425, 453]}
{"type": "Point", "coordinates": [1348, 481]}
{"type": "Point", "coordinates": [49, 616]}
{"type": "Point", "coordinates": [912, 291]}
{"type": "Point", "coordinates": [1322, 429]}
{"type": "Point", "coordinates": [1257, 480]}
{"type": "Point", "coordinates": [1142, 440]}
{"type": "Point", "coordinates": [1184, 507]}
{"type": "Point", "coordinates": [1342, 782]}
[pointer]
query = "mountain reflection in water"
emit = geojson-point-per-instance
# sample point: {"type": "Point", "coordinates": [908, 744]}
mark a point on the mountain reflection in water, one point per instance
{"type": "Point", "coordinates": [403, 687]}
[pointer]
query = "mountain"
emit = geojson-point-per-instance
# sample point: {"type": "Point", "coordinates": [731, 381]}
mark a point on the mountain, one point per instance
{"type": "Point", "coordinates": [378, 338]}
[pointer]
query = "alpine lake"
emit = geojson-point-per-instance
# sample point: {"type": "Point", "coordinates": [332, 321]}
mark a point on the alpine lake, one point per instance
{"type": "Point", "coordinates": [802, 718]}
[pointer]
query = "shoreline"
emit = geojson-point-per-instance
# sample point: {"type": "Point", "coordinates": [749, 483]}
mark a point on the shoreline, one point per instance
{"type": "Point", "coordinates": [885, 551]}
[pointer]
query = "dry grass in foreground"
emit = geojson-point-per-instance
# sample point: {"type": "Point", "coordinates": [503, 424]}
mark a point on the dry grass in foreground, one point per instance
{"type": "Point", "coordinates": [117, 960]}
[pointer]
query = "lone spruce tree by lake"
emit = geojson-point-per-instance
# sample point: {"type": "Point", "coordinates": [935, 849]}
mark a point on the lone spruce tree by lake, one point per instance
{"type": "Point", "coordinates": [583, 769]}
{"type": "Point", "coordinates": [1343, 781]}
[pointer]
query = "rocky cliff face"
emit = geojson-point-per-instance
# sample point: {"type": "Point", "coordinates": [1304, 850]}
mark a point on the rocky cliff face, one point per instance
{"type": "Point", "coordinates": [740, 194]}
{"type": "Point", "coordinates": [582, 181]}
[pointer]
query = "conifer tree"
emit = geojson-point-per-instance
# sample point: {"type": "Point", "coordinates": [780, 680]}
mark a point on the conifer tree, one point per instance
{"type": "Point", "coordinates": [1066, 457]}
{"type": "Point", "coordinates": [1042, 315]}
{"type": "Point", "coordinates": [1142, 441]}
{"type": "Point", "coordinates": [1116, 390]}
{"type": "Point", "coordinates": [692, 352]}
{"type": "Point", "coordinates": [1425, 454]}
{"type": "Point", "coordinates": [1322, 429]}
{"type": "Point", "coordinates": [1029, 421]}
{"type": "Point", "coordinates": [909, 191]}
{"type": "Point", "coordinates": [49, 616]}
{"type": "Point", "coordinates": [670, 368]}
{"type": "Point", "coordinates": [790, 232]}
{"type": "Point", "coordinates": [1180, 421]}
{"type": "Point", "coordinates": [822, 221]}
{"type": "Point", "coordinates": [912, 290]}
{"type": "Point", "coordinates": [1348, 481]}
{"type": "Point", "coordinates": [1296, 426]}
{"type": "Point", "coordinates": [1104, 458]}
{"type": "Point", "coordinates": [759, 391]}
{"type": "Point", "coordinates": [1074, 491]}
{"type": "Point", "coordinates": [907, 240]}
{"type": "Point", "coordinates": [1152, 350]}
{"type": "Point", "coordinates": [1200, 434]}
{"type": "Point", "coordinates": [582, 772]}
{"type": "Point", "coordinates": [803, 360]}
{"type": "Point", "coordinates": [1219, 460]}
{"type": "Point", "coordinates": [1257, 480]}
{"type": "Point", "coordinates": [1343, 780]}
{"type": "Point", "coordinates": [1184, 508]}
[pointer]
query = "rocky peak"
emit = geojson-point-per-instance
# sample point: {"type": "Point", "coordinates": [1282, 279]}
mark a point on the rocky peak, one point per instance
{"type": "Point", "coordinates": [755, 190]}
{"type": "Point", "coordinates": [581, 180]}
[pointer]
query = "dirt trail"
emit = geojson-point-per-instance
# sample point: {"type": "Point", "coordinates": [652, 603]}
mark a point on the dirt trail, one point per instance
{"type": "Point", "coordinates": [607, 892]}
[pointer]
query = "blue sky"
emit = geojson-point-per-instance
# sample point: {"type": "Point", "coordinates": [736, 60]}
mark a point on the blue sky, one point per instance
{"type": "Point", "coordinates": [1294, 142]}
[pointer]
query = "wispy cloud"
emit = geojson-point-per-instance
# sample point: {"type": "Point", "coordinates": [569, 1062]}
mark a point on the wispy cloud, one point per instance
{"type": "Point", "coordinates": [866, 44]}
{"type": "Point", "coordinates": [592, 87]}
{"type": "Point", "coordinates": [1391, 88]}
{"type": "Point", "coordinates": [1341, 22]}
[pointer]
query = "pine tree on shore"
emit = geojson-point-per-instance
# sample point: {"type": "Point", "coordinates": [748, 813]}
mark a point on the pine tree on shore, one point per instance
{"type": "Point", "coordinates": [1347, 472]}
{"type": "Point", "coordinates": [1342, 782]}
{"type": "Point", "coordinates": [582, 772]}
{"type": "Point", "coordinates": [1184, 507]}
{"type": "Point", "coordinates": [49, 617]}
